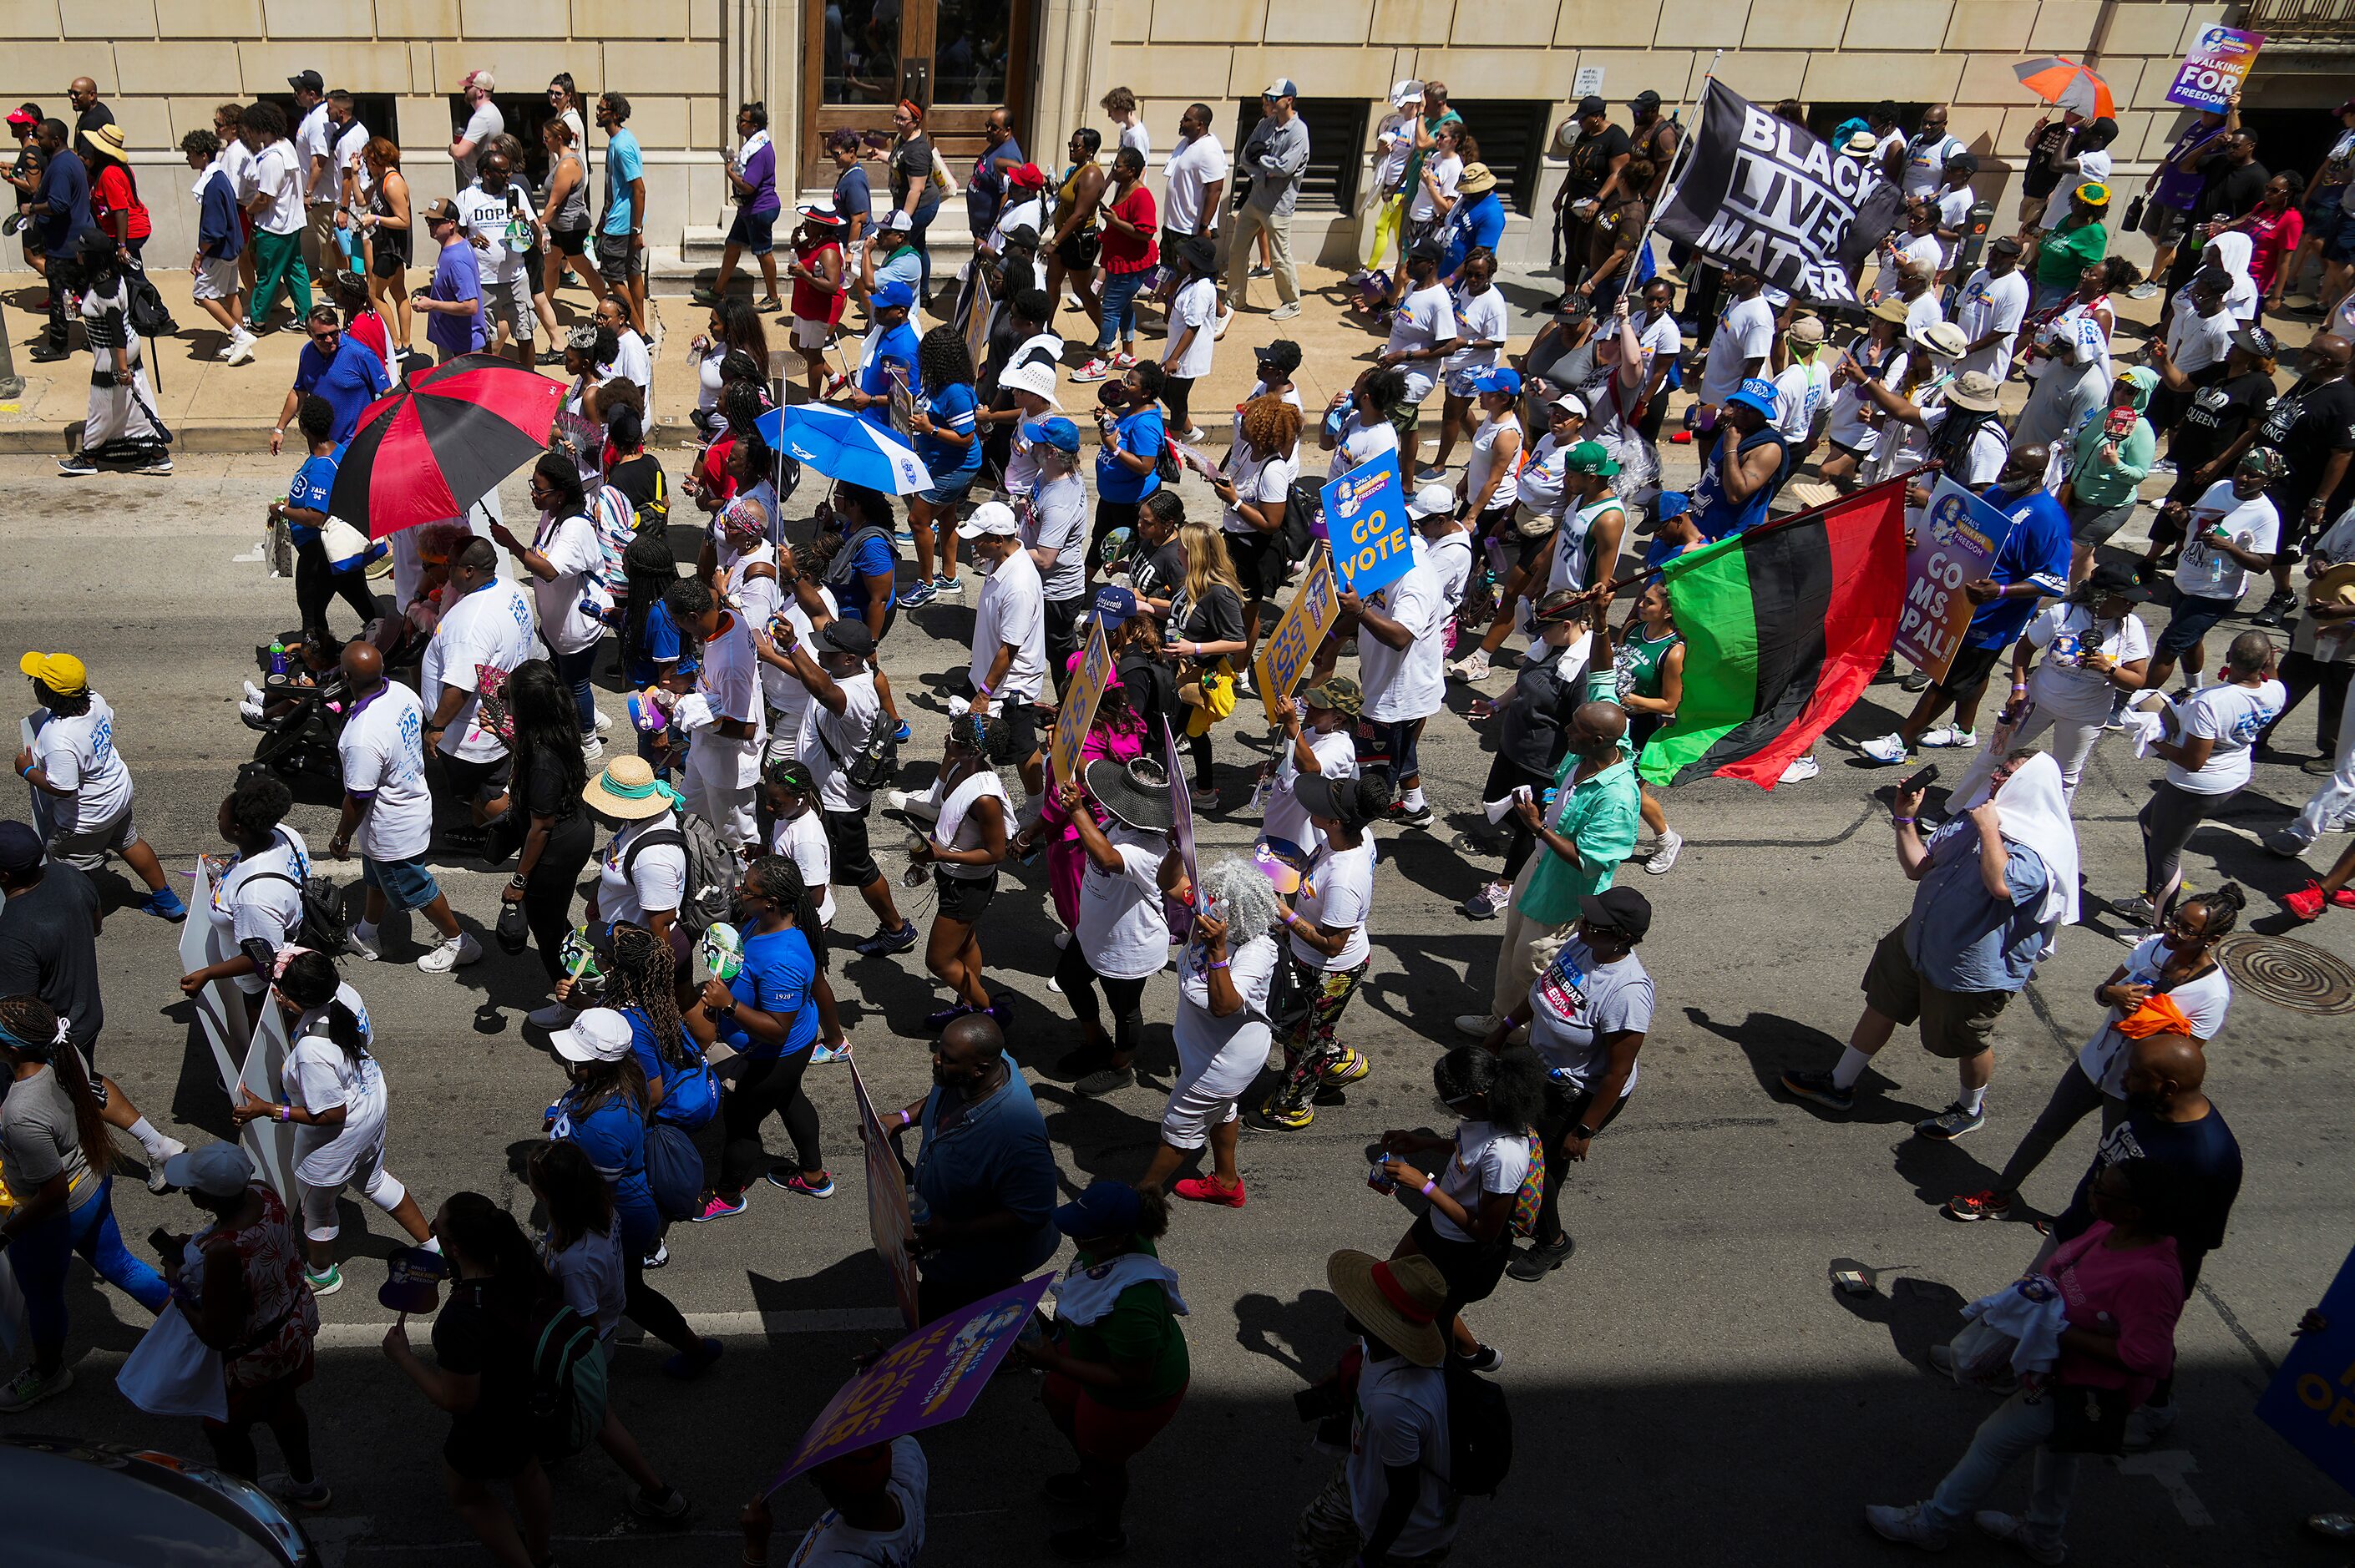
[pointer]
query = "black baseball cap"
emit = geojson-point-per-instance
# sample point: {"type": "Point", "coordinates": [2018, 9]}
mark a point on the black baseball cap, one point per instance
{"type": "Point", "coordinates": [307, 81]}
{"type": "Point", "coordinates": [1282, 357]}
{"type": "Point", "coordinates": [1592, 104]}
{"type": "Point", "coordinates": [849, 637]}
{"type": "Point", "coordinates": [1620, 910]}
{"type": "Point", "coordinates": [2256, 340]}
{"type": "Point", "coordinates": [1647, 99]}
{"type": "Point", "coordinates": [2005, 243]}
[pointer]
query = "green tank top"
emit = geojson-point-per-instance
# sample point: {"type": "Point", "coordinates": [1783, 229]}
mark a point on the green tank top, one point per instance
{"type": "Point", "coordinates": [1639, 663]}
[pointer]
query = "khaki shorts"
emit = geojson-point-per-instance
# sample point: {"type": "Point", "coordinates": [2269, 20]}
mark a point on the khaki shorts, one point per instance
{"type": "Point", "coordinates": [1954, 1023]}
{"type": "Point", "coordinates": [509, 305]}
{"type": "Point", "coordinates": [86, 849]}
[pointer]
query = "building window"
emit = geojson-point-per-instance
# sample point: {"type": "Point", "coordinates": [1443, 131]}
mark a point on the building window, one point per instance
{"type": "Point", "coordinates": [526, 114]}
{"type": "Point", "coordinates": [1511, 137]}
{"type": "Point", "coordinates": [373, 110]}
{"type": "Point", "coordinates": [1337, 143]}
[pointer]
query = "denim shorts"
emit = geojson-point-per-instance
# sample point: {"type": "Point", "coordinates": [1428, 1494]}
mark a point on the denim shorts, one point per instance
{"type": "Point", "coordinates": [405, 884]}
{"type": "Point", "coordinates": [943, 497]}
{"type": "Point", "coordinates": [2194, 618]}
{"type": "Point", "coordinates": [756, 231]}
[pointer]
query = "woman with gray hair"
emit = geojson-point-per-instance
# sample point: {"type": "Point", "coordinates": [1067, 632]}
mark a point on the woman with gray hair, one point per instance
{"type": "Point", "coordinates": [1222, 1030]}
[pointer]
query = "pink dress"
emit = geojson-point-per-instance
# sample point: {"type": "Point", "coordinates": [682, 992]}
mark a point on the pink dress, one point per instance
{"type": "Point", "coordinates": [1066, 861]}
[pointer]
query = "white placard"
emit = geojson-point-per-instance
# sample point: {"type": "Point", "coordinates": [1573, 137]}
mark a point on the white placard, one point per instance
{"type": "Point", "coordinates": [1587, 82]}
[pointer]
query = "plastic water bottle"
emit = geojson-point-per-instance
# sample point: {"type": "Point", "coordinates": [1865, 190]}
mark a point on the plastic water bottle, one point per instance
{"type": "Point", "coordinates": [278, 656]}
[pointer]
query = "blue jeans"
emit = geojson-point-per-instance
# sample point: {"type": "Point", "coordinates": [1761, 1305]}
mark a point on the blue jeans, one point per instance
{"type": "Point", "coordinates": [39, 1256]}
{"type": "Point", "coordinates": [1120, 290]}
{"type": "Point", "coordinates": [573, 669]}
{"type": "Point", "coordinates": [919, 221]}
{"type": "Point", "coordinates": [2018, 1424]}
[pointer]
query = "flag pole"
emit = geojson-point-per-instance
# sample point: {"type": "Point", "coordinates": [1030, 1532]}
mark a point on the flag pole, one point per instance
{"type": "Point", "coordinates": [1683, 156]}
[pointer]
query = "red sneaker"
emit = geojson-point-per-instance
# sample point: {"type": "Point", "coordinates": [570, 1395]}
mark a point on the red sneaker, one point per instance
{"type": "Point", "coordinates": [2308, 901]}
{"type": "Point", "coordinates": [1987, 1205]}
{"type": "Point", "coordinates": [1210, 1189]}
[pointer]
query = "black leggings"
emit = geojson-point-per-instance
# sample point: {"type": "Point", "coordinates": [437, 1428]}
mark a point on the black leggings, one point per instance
{"type": "Point", "coordinates": [1199, 748]}
{"type": "Point", "coordinates": [774, 1085]}
{"type": "Point", "coordinates": [1111, 514]}
{"type": "Point", "coordinates": [1563, 1108]}
{"type": "Point", "coordinates": [1177, 396]}
{"type": "Point", "coordinates": [1127, 998]}
{"type": "Point", "coordinates": [548, 895]}
{"type": "Point", "coordinates": [1503, 774]}
{"type": "Point", "coordinates": [651, 1309]}
{"type": "Point", "coordinates": [318, 585]}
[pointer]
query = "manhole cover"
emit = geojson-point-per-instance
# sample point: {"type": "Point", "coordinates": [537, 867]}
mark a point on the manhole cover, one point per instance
{"type": "Point", "coordinates": [2290, 973]}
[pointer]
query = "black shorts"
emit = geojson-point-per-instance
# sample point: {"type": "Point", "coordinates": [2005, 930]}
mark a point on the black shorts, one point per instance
{"type": "Point", "coordinates": [845, 841]}
{"type": "Point", "coordinates": [1112, 515]}
{"type": "Point", "coordinates": [1260, 563]}
{"type": "Point", "coordinates": [1471, 1269]}
{"type": "Point", "coordinates": [1969, 671]}
{"type": "Point", "coordinates": [964, 899]}
{"type": "Point", "coordinates": [386, 259]}
{"type": "Point", "coordinates": [1021, 730]}
{"type": "Point", "coordinates": [470, 781]}
{"type": "Point", "coordinates": [535, 271]}
{"type": "Point", "coordinates": [570, 241]}
{"type": "Point", "coordinates": [1078, 254]}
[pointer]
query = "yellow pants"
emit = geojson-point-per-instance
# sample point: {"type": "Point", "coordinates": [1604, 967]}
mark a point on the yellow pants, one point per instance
{"type": "Point", "coordinates": [1383, 232]}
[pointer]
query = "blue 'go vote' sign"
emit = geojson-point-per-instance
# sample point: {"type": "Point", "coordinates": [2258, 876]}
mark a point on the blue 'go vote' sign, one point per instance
{"type": "Point", "coordinates": [1364, 518]}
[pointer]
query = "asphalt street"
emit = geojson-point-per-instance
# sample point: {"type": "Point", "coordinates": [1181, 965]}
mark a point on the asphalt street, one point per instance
{"type": "Point", "coordinates": [1689, 1388]}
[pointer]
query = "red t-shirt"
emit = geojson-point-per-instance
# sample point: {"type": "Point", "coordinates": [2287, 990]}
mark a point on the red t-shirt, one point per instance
{"type": "Point", "coordinates": [713, 469]}
{"type": "Point", "coordinates": [368, 327]}
{"type": "Point", "coordinates": [1131, 252]}
{"type": "Point", "coordinates": [811, 304]}
{"type": "Point", "coordinates": [2271, 237]}
{"type": "Point", "coordinates": [114, 191]}
{"type": "Point", "coordinates": [2139, 1293]}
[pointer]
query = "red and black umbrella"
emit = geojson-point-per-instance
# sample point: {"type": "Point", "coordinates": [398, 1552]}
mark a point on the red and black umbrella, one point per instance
{"type": "Point", "coordinates": [431, 450]}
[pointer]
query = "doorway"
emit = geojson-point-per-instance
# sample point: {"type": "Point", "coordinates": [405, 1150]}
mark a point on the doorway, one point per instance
{"type": "Point", "coordinates": [959, 59]}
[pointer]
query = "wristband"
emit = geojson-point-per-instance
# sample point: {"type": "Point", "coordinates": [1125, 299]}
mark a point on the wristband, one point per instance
{"type": "Point", "coordinates": [905, 1119]}
{"type": "Point", "coordinates": [1220, 964]}
{"type": "Point", "coordinates": [1900, 822]}
{"type": "Point", "coordinates": [1431, 1186]}
{"type": "Point", "coordinates": [286, 1113]}
{"type": "Point", "coordinates": [1583, 1132]}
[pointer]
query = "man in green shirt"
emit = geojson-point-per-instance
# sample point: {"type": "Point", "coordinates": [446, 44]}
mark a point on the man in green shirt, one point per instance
{"type": "Point", "coordinates": [1583, 837]}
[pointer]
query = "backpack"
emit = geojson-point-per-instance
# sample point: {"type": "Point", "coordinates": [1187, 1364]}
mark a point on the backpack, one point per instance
{"type": "Point", "coordinates": [1303, 504]}
{"type": "Point", "coordinates": [1480, 1432]}
{"type": "Point", "coordinates": [674, 1169]}
{"type": "Point", "coordinates": [567, 1398]}
{"type": "Point", "coordinates": [1531, 1196]}
{"type": "Point", "coordinates": [1166, 467]}
{"type": "Point", "coordinates": [709, 895]}
{"type": "Point", "coordinates": [876, 763]}
{"type": "Point", "coordinates": [321, 925]}
{"type": "Point", "coordinates": [150, 317]}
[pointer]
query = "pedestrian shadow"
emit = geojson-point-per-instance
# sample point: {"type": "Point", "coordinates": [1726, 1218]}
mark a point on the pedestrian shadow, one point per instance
{"type": "Point", "coordinates": [1305, 1334]}
{"type": "Point", "coordinates": [1776, 1044]}
{"type": "Point", "coordinates": [1105, 1140]}
{"type": "Point", "coordinates": [1918, 1313]}
{"type": "Point", "coordinates": [1939, 1169]}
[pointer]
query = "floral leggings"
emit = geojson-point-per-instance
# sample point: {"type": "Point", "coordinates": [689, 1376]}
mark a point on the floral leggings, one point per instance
{"type": "Point", "coordinates": [1306, 1014]}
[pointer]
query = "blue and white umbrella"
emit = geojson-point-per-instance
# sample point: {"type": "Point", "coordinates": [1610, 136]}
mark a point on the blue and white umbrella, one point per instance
{"type": "Point", "coordinates": [844, 447]}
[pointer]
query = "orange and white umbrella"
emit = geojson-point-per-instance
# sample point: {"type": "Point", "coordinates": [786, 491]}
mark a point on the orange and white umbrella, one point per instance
{"type": "Point", "coordinates": [2065, 84]}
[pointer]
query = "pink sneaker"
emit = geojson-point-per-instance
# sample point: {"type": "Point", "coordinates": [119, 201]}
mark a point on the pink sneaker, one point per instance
{"type": "Point", "coordinates": [716, 1207]}
{"type": "Point", "coordinates": [1093, 370]}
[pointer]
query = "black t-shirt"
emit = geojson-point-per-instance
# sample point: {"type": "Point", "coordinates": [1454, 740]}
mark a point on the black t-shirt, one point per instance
{"type": "Point", "coordinates": [2039, 178]}
{"type": "Point", "coordinates": [2216, 416]}
{"type": "Point", "coordinates": [1152, 693]}
{"type": "Point", "coordinates": [482, 1334]}
{"type": "Point", "coordinates": [2200, 1175]}
{"type": "Point", "coordinates": [1157, 574]}
{"type": "Point", "coordinates": [1533, 727]}
{"type": "Point", "coordinates": [87, 120]}
{"type": "Point", "coordinates": [2230, 191]}
{"type": "Point", "coordinates": [641, 479]}
{"type": "Point", "coordinates": [546, 792]}
{"type": "Point", "coordinates": [48, 947]}
{"type": "Point", "coordinates": [2306, 425]}
{"type": "Point", "coordinates": [1218, 619]}
{"type": "Point", "coordinates": [1590, 161]}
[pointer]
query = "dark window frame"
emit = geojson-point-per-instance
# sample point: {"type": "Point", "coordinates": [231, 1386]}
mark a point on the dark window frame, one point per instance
{"type": "Point", "coordinates": [1490, 122]}
{"type": "Point", "coordinates": [1338, 128]}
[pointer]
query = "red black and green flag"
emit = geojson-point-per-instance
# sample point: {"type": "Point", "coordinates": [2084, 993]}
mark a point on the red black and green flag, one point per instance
{"type": "Point", "coordinates": [1783, 629]}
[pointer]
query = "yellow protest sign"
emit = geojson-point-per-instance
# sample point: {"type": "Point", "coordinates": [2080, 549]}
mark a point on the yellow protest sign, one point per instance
{"type": "Point", "coordinates": [1285, 653]}
{"type": "Point", "coordinates": [1079, 709]}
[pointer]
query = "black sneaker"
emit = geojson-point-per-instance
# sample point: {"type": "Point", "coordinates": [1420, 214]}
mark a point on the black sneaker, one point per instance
{"type": "Point", "coordinates": [1487, 1359]}
{"type": "Point", "coordinates": [1819, 1087]}
{"type": "Point", "coordinates": [885, 943]}
{"type": "Point", "coordinates": [1407, 816]}
{"type": "Point", "coordinates": [2277, 606]}
{"type": "Point", "coordinates": [1086, 1059]}
{"type": "Point", "coordinates": [1918, 681]}
{"type": "Point", "coordinates": [1273, 1119]}
{"type": "Point", "coordinates": [1533, 1263]}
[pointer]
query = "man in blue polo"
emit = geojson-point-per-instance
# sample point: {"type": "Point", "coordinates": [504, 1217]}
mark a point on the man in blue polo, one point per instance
{"type": "Point", "coordinates": [341, 370]}
{"type": "Point", "coordinates": [890, 342]}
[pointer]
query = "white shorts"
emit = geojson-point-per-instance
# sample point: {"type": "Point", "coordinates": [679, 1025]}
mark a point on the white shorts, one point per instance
{"type": "Point", "coordinates": [214, 281]}
{"type": "Point", "coordinates": [811, 333]}
{"type": "Point", "coordinates": [1206, 1093]}
{"type": "Point", "coordinates": [510, 307]}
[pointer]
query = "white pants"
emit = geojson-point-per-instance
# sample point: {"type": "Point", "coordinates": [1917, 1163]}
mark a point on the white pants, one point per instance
{"type": "Point", "coordinates": [1206, 1092]}
{"type": "Point", "coordinates": [367, 1173]}
{"type": "Point", "coordinates": [721, 775]}
{"type": "Point", "coordinates": [113, 414]}
{"type": "Point", "coordinates": [2072, 743]}
{"type": "Point", "coordinates": [2336, 799]}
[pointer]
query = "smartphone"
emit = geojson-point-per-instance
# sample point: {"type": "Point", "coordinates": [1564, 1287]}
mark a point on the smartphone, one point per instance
{"type": "Point", "coordinates": [1922, 780]}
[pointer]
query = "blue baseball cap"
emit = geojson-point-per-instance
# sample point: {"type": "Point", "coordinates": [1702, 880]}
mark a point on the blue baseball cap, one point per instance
{"type": "Point", "coordinates": [1114, 605]}
{"type": "Point", "coordinates": [1105, 1209]}
{"type": "Point", "coordinates": [1498, 378]}
{"type": "Point", "coordinates": [894, 295]}
{"type": "Point", "coordinates": [1061, 434]}
{"type": "Point", "coordinates": [1758, 392]}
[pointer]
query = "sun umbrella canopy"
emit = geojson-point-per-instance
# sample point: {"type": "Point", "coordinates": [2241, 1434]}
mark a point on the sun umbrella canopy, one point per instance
{"type": "Point", "coordinates": [844, 447]}
{"type": "Point", "coordinates": [434, 447]}
{"type": "Point", "coordinates": [2065, 84]}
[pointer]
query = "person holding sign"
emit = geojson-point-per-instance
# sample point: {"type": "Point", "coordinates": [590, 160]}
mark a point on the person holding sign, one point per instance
{"type": "Point", "coordinates": [1221, 1030]}
{"type": "Point", "coordinates": [1402, 654]}
{"type": "Point", "coordinates": [1122, 938]}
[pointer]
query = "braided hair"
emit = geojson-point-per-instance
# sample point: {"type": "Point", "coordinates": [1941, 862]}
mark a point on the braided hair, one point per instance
{"type": "Point", "coordinates": [31, 1029]}
{"type": "Point", "coordinates": [643, 976]}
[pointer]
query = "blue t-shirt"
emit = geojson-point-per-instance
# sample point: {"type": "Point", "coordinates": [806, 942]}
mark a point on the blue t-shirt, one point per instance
{"type": "Point", "coordinates": [624, 163]}
{"type": "Point", "coordinates": [952, 407]}
{"type": "Point", "coordinates": [2038, 546]}
{"type": "Point", "coordinates": [1140, 433]}
{"type": "Point", "coordinates": [779, 971]}
{"type": "Point", "coordinates": [350, 381]}
{"type": "Point", "coordinates": [65, 191]}
{"type": "Point", "coordinates": [689, 1094]}
{"type": "Point", "coordinates": [660, 642]}
{"type": "Point", "coordinates": [1717, 514]}
{"type": "Point", "coordinates": [614, 1137]}
{"type": "Point", "coordinates": [870, 556]}
{"type": "Point", "coordinates": [313, 483]}
{"type": "Point", "coordinates": [456, 276]}
{"type": "Point", "coordinates": [1478, 222]}
{"type": "Point", "coordinates": [1963, 938]}
{"type": "Point", "coordinates": [984, 192]}
{"type": "Point", "coordinates": [897, 346]}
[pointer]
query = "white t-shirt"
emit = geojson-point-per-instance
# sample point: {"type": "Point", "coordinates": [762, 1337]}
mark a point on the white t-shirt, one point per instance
{"type": "Point", "coordinates": [782, 687]}
{"type": "Point", "coordinates": [1199, 1035]}
{"type": "Point", "coordinates": [589, 1278]}
{"type": "Point", "coordinates": [76, 752]}
{"type": "Point", "coordinates": [1479, 318]}
{"type": "Point", "coordinates": [831, 1543]}
{"type": "Point", "coordinates": [1361, 443]}
{"type": "Point", "coordinates": [2195, 342]}
{"type": "Point", "coordinates": [278, 169]}
{"type": "Point", "coordinates": [1543, 475]}
{"type": "Point", "coordinates": [1903, 247]}
{"type": "Point", "coordinates": [1196, 306]}
{"type": "Point", "coordinates": [1057, 520]}
{"type": "Point", "coordinates": [261, 899]}
{"type": "Point", "coordinates": [2095, 163]}
{"type": "Point", "coordinates": [480, 640]}
{"type": "Point", "coordinates": [313, 138]}
{"type": "Point", "coordinates": [1484, 454]}
{"type": "Point", "coordinates": [1424, 319]}
{"type": "Point", "coordinates": [1338, 890]}
{"type": "Point", "coordinates": [730, 677]}
{"type": "Point", "coordinates": [2255, 526]}
{"type": "Point", "coordinates": [655, 880]}
{"type": "Point", "coordinates": [2231, 717]}
{"type": "Point", "coordinates": [2204, 1000]}
{"type": "Point", "coordinates": [349, 146]}
{"type": "Point", "coordinates": [1401, 1421]}
{"type": "Point", "coordinates": [846, 732]}
{"type": "Point", "coordinates": [1923, 312]}
{"type": "Point", "coordinates": [1193, 165]}
{"type": "Point", "coordinates": [2064, 687]}
{"type": "Point", "coordinates": [318, 1076]}
{"type": "Point", "coordinates": [1800, 388]}
{"type": "Point", "coordinates": [1409, 682]}
{"type": "Point", "coordinates": [1135, 135]}
{"type": "Point", "coordinates": [632, 362]}
{"type": "Point", "coordinates": [483, 122]}
{"type": "Point", "coordinates": [803, 841]}
{"type": "Point", "coordinates": [1445, 171]}
{"type": "Point", "coordinates": [1852, 407]}
{"type": "Point", "coordinates": [1286, 819]}
{"type": "Point", "coordinates": [1744, 333]}
{"type": "Point", "coordinates": [571, 546]}
{"type": "Point", "coordinates": [1955, 213]}
{"type": "Point", "coordinates": [1263, 481]}
{"type": "Point", "coordinates": [1486, 1160]}
{"type": "Point", "coordinates": [1393, 144]}
{"type": "Point", "coordinates": [1925, 163]}
{"type": "Point", "coordinates": [383, 753]}
{"type": "Point", "coordinates": [485, 215]}
{"type": "Point", "coordinates": [1012, 612]}
{"type": "Point", "coordinates": [1991, 304]}
{"type": "Point", "coordinates": [1449, 561]}
{"type": "Point", "coordinates": [1120, 927]}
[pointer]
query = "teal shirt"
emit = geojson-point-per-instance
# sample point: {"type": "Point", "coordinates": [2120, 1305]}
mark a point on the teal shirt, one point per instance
{"type": "Point", "coordinates": [1599, 816]}
{"type": "Point", "coordinates": [2097, 484]}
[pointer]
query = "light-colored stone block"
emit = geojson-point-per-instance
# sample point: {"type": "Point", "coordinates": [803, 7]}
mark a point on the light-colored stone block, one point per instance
{"type": "Point", "coordinates": [1797, 24]}
{"type": "Point", "coordinates": [425, 132]}
{"type": "Point", "coordinates": [1538, 74]}
{"type": "Point", "coordinates": [213, 19]}
{"type": "Point", "coordinates": [1606, 24]}
{"type": "Point", "coordinates": [311, 18]}
{"type": "Point", "coordinates": [1403, 22]}
{"type": "Point", "coordinates": [421, 65]}
{"type": "Point", "coordinates": [655, 70]}
{"type": "Point", "coordinates": [1990, 25]}
{"type": "Point", "coordinates": [1990, 79]}
{"type": "Point", "coordinates": [183, 67]}
{"type": "Point", "coordinates": [707, 124]}
{"type": "Point", "coordinates": [1125, 21]}
{"type": "Point", "coordinates": [1897, 25]}
{"type": "Point", "coordinates": [662, 119]}
{"type": "Point", "coordinates": [1701, 24]}
{"type": "Point", "coordinates": [1191, 22]}
{"type": "Point", "coordinates": [147, 126]}
{"type": "Point", "coordinates": [1507, 22]}
{"type": "Point", "coordinates": [630, 18]}
{"type": "Point", "coordinates": [703, 21]}
{"type": "Point", "coordinates": [1625, 73]}
{"type": "Point", "coordinates": [1292, 24]}
{"type": "Point", "coordinates": [1200, 66]}
{"type": "Point", "coordinates": [514, 18]}
{"type": "Point", "coordinates": [28, 19]}
{"type": "Point", "coordinates": [40, 70]}
{"type": "Point", "coordinates": [1980, 127]}
{"type": "Point", "coordinates": [2066, 26]}
{"type": "Point", "coordinates": [1321, 72]}
{"type": "Point", "coordinates": [108, 19]}
{"type": "Point", "coordinates": [1869, 78]}
{"type": "Point", "coordinates": [1762, 76]}
{"type": "Point", "coordinates": [355, 65]}
{"type": "Point", "coordinates": [420, 20]}
{"type": "Point", "coordinates": [2144, 29]}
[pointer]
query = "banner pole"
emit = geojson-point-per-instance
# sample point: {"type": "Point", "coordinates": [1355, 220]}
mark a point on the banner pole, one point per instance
{"type": "Point", "coordinates": [1681, 157]}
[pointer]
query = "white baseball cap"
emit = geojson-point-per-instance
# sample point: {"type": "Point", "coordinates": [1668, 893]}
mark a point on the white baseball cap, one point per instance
{"type": "Point", "coordinates": [990, 518]}
{"type": "Point", "coordinates": [598, 1034]}
{"type": "Point", "coordinates": [1433, 500]}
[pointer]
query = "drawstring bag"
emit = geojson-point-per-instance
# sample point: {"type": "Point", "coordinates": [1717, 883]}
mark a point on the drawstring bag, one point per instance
{"type": "Point", "coordinates": [170, 1372]}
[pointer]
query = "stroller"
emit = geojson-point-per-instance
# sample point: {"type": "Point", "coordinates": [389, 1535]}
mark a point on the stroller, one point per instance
{"type": "Point", "coordinates": [299, 713]}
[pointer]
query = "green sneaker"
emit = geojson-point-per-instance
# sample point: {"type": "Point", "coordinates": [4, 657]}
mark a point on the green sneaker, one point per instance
{"type": "Point", "coordinates": [28, 1388]}
{"type": "Point", "coordinates": [326, 1284]}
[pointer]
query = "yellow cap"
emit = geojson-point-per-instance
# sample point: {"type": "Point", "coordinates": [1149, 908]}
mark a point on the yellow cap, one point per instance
{"type": "Point", "coordinates": [62, 672]}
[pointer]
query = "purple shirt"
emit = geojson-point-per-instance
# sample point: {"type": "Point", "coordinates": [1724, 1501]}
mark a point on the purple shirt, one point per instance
{"type": "Point", "coordinates": [2176, 188]}
{"type": "Point", "coordinates": [456, 277]}
{"type": "Point", "coordinates": [760, 174]}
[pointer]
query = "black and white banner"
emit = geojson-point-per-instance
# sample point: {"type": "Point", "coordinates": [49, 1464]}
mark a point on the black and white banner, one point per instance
{"type": "Point", "coordinates": [1762, 192]}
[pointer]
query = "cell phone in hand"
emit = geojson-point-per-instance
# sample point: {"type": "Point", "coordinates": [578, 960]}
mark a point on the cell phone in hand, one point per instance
{"type": "Point", "coordinates": [1922, 780]}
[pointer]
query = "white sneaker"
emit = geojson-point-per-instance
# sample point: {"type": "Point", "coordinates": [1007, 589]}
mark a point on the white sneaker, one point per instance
{"type": "Point", "coordinates": [240, 349]}
{"type": "Point", "coordinates": [156, 1163]}
{"type": "Point", "coordinates": [366, 940]}
{"type": "Point", "coordinates": [555, 1015]}
{"type": "Point", "coordinates": [604, 722]}
{"type": "Point", "coordinates": [1948, 735]}
{"type": "Point", "coordinates": [1475, 1026]}
{"type": "Point", "coordinates": [1226, 319]}
{"type": "Point", "coordinates": [1907, 1526]}
{"type": "Point", "coordinates": [1889, 750]}
{"type": "Point", "coordinates": [1801, 769]}
{"type": "Point", "coordinates": [1472, 667]}
{"type": "Point", "coordinates": [1665, 858]}
{"type": "Point", "coordinates": [459, 950]}
{"type": "Point", "coordinates": [592, 750]}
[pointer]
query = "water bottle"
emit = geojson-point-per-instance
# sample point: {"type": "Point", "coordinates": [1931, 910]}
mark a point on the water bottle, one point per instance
{"type": "Point", "coordinates": [1380, 1179]}
{"type": "Point", "coordinates": [278, 657]}
{"type": "Point", "coordinates": [646, 712]}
